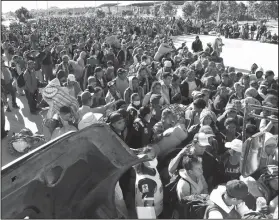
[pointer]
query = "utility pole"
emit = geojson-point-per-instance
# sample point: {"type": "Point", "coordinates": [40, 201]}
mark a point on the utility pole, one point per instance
{"type": "Point", "coordinates": [117, 8]}
{"type": "Point", "coordinates": [220, 2]}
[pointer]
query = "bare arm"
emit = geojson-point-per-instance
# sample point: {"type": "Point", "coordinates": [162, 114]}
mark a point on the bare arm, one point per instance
{"type": "Point", "coordinates": [175, 161]}
{"type": "Point", "coordinates": [264, 127]}
{"type": "Point", "coordinates": [102, 109]}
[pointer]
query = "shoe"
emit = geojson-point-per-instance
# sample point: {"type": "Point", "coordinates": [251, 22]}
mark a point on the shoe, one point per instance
{"type": "Point", "coordinates": [16, 106]}
{"type": "Point", "coordinates": [8, 109]}
{"type": "Point", "coordinates": [4, 134]}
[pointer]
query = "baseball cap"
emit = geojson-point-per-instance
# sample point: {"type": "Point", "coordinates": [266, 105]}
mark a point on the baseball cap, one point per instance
{"type": "Point", "coordinates": [237, 189]}
{"type": "Point", "coordinates": [230, 108]}
{"type": "Point", "coordinates": [269, 73]}
{"type": "Point", "coordinates": [207, 130]}
{"type": "Point", "coordinates": [202, 139]}
{"type": "Point", "coordinates": [197, 94]}
{"type": "Point", "coordinates": [85, 96]}
{"type": "Point", "coordinates": [235, 145]}
{"type": "Point", "coordinates": [87, 120]}
{"type": "Point", "coordinates": [121, 71]}
{"type": "Point", "coordinates": [144, 110]}
{"type": "Point", "coordinates": [71, 77]}
{"type": "Point", "coordinates": [98, 69]}
{"type": "Point", "coordinates": [115, 117]}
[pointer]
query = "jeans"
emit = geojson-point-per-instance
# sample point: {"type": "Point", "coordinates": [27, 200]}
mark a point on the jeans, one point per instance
{"type": "Point", "coordinates": [10, 89]}
{"type": "Point", "coordinates": [47, 72]}
{"type": "Point", "coordinates": [252, 35]}
{"type": "Point", "coordinates": [2, 118]}
{"type": "Point", "coordinates": [31, 98]}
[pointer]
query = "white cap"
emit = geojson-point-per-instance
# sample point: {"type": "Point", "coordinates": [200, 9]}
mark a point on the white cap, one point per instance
{"type": "Point", "coordinates": [71, 77]}
{"type": "Point", "coordinates": [87, 120]}
{"type": "Point", "coordinates": [167, 63]}
{"type": "Point", "coordinates": [202, 138]}
{"type": "Point", "coordinates": [235, 145]}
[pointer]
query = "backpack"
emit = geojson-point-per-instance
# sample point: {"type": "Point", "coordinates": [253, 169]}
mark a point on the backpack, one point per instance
{"type": "Point", "coordinates": [170, 195]}
{"type": "Point", "coordinates": [20, 80]}
{"type": "Point", "coordinates": [192, 207]}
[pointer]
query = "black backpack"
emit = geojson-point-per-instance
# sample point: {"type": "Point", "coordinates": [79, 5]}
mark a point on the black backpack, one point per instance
{"type": "Point", "coordinates": [20, 80]}
{"type": "Point", "coordinates": [192, 207]}
{"type": "Point", "coordinates": [170, 196]}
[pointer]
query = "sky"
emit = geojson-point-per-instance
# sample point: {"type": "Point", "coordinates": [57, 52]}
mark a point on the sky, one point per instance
{"type": "Point", "coordinates": [14, 5]}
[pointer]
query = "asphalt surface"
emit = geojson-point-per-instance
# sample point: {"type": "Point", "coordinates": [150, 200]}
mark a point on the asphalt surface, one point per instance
{"type": "Point", "coordinates": [238, 53]}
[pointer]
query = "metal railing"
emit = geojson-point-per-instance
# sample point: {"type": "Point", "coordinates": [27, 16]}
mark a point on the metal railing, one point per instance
{"type": "Point", "coordinates": [248, 113]}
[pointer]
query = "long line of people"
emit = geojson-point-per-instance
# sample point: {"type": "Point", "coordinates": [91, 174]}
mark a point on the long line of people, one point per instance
{"type": "Point", "coordinates": [186, 108]}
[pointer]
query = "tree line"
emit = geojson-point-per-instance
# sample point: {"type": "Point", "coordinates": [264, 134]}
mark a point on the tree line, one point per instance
{"type": "Point", "coordinates": [231, 10]}
{"type": "Point", "coordinates": [201, 10]}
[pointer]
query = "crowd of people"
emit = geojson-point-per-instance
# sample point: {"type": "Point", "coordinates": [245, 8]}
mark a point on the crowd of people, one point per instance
{"type": "Point", "coordinates": [248, 32]}
{"type": "Point", "coordinates": [183, 108]}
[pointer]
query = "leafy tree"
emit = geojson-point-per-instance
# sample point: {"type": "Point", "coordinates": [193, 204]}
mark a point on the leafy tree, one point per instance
{"type": "Point", "coordinates": [127, 13]}
{"type": "Point", "coordinates": [100, 14]}
{"type": "Point", "coordinates": [155, 10]}
{"type": "Point", "coordinates": [22, 14]}
{"type": "Point", "coordinates": [270, 9]}
{"type": "Point", "coordinates": [167, 9]}
{"type": "Point", "coordinates": [203, 9]}
{"type": "Point", "coordinates": [188, 9]}
{"type": "Point", "coordinates": [215, 9]}
{"type": "Point", "coordinates": [242, 9]}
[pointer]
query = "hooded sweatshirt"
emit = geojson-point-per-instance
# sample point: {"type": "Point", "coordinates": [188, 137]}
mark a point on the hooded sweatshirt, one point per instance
{"type": "Point", "coordinates": [219, 210]}
{"type": "Point", "coordinates": [260, 69]}
{"type": "Point", "coordinates": [186, 186]}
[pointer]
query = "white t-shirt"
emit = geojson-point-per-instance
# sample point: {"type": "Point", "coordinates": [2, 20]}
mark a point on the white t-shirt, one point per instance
{"type": "Point", "coordinates": [192, 87]}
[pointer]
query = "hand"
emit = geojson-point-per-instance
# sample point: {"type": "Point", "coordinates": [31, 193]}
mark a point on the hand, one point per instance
{"type": "Point", "coordinates": [264, 210]}
{"type": "Point", "coordinates": [184, 151]}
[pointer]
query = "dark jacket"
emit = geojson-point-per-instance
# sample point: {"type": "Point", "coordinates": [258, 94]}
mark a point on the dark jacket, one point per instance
{"type": "Point", "coordinates": [141, 133]}
{"type": "Point", "coordinates": [184, 87]}
{"type": "Point", "coordinates": [121, 56]}
{"type": "Point", "coordinates": [197, 46]}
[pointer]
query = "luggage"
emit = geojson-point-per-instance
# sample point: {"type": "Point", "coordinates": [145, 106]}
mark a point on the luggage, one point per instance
{"type": "Point", "coordinates": [169, 143]}
{"type": "Point", "coordinates": [162, 50]}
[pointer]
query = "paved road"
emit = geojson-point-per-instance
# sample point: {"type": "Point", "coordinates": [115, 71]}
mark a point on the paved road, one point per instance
{"type": "Point", "coordinates": [240, 53]}
{"type": "Point", "coordinates": [237, 53]}
{"type": "Point", "coordinates": [17, 120]}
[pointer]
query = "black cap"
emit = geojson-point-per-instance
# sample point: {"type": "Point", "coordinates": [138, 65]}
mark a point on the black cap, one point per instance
{"type": "Point", "coordinates": [115, 117]}
{"type": "Point", "coordinates": [200, 103]}
{"type": "Point", "coordinates": [237, 189]}
{"type": "Point", "coordinates": [121, 71]}
{"type": "Point", "coordinates": [269, 73]}
{"type": "Point", "coordinates": [143, 111]}
{"type": "Point", "coordinates": [98, 69]}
